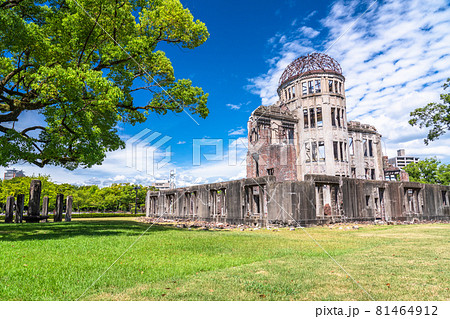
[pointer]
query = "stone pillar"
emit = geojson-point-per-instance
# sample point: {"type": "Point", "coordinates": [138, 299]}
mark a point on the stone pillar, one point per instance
{"type": "Point", "coordinates": [147, 204]}
{"type": "Point", "coordinates": [35, 199]}
{"type": "Point", "coordinates": [45, 208]}
{"type": "Point", "coordinates": [59, 208]}
{"type": "Point", "coordinates": [9, 209]}
{"type": "Point", "coordinates": [20, 201]}
{"type": "Point", "coordinates": [69, 202]}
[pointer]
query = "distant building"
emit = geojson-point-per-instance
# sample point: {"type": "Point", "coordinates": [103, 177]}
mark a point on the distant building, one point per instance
{"type": "Point", "coordinates": [162, 185]}
{"type": "Point", "coordinates": [401, 160]}
{"type": "Point", "coordinates": [11, 173]}
{"type": "Point", "coordinates": [393, 173]}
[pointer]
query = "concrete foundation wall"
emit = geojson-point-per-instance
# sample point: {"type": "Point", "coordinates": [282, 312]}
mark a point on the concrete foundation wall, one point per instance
{"type": "Point", "coordinates": [316, 200]}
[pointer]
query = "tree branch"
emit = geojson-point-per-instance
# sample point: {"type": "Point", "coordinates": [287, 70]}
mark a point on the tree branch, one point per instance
{"type": "Point", "coordinates": [89, 36]}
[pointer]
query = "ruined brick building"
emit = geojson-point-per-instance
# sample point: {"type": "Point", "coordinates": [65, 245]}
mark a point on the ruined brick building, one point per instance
{"type": "Point", "coordinates": [307, 164]}
{"type": "Point", "coordinates": [307, 132]}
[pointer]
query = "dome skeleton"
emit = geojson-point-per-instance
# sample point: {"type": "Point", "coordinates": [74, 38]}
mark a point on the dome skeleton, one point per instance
{"type": "Point", "coordinates": [311, 63]}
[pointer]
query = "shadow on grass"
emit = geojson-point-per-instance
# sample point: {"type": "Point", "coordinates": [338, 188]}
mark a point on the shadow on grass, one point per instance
{"type": "Point", "coordinates": [46, 231]}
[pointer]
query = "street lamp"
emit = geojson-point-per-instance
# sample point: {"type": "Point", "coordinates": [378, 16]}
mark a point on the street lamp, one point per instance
{"type": "Point", "coordinates": [136, 199]}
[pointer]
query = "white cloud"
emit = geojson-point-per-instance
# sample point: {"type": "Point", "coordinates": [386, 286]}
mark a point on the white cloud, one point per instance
{"type": "Point", "coordinates": [309, 16]}
{"type": "Point", "coordinates": [181, 142]}
{"type": "Point", "coordinates": [234, 106]}
{"type": "Point", "coordinates": [308, 32]}
{"type": "Point", "coordinates": [238, 131]}
{"type": "Point", "coordinates": [395, 59]}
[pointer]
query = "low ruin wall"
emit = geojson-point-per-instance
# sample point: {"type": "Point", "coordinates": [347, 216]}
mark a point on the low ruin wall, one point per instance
{"type": "Point", "coordinates": [317, 200]}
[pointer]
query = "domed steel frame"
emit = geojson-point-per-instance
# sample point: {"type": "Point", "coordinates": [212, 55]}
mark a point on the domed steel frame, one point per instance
{"type": "Point", "coordinates": [311, 63]}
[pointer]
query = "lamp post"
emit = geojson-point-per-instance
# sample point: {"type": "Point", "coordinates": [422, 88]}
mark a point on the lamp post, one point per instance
{"type": "Point", "coordinates": [136, 198]}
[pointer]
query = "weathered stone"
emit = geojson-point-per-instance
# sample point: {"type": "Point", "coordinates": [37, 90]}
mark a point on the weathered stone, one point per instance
{"type": "Point", "coordinates": [45, 207]}
{"type": "Point", "coordinates": [69, 202]}
{"type": "Point", "coordinates": [9, 209]}
{"type": "Point", "coordinates": [20, 201]}
{"type": "Point", "coordinates": [35, 198]}
{"type": "Point", "coordinates": [59, 208]}
{"type": "Point", "coordinates": [295, 203]}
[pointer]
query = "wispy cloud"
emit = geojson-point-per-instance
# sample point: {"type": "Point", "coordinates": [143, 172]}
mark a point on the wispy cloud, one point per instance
{"type": "Point", "coordinates": [234, 106]}
{"type": "Point", "coordinates": [308, 32]}
{"type": "Point", "coordinates": [309, 16]}
{"type": "Point", "coordinates": [238, 131]}
{"type": "Point", "coordinates": [395, 59]}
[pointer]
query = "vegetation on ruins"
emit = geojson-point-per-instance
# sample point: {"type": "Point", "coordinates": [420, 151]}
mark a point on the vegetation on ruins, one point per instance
{"type": "Point", "coordinates": [430, 171]}
{"type": "Point", "coordinates": [75, 66]}
{"type": "Point", "coordinates": [435, 116]}
{"type": "Point", "coordinates": [59, 261]}
{"type": "Point", "coordinates": [117, 197]}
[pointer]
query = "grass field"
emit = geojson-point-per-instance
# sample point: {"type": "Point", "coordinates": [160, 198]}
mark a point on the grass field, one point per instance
{"type": "Point", "coordinates": [58, 261]}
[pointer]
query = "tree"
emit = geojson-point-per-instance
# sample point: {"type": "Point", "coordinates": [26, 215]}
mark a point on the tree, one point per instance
{"type": "Point", "coordinates": [434, 115]}
{"type": "Point", "coordinates": [79, 71]}
{"type": "Point", "coordinates": [430, 171]}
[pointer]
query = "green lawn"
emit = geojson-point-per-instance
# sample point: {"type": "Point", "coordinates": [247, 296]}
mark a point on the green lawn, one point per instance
{"type": "Point", "coordinates": [58, 261]}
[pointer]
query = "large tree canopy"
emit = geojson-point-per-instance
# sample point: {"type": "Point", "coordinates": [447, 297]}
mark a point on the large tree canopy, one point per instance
{"type": "Point", "coordinates": [78, 65]}
{"type": "Point", "coordinates": [434, 115]}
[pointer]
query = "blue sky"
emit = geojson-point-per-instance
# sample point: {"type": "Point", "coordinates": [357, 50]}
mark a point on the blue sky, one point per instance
{"type": "Point", "coordinates": [395, 58]}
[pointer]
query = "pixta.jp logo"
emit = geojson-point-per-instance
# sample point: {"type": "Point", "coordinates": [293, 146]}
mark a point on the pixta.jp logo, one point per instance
{"type": "Point", "coordinates": [145, 153]}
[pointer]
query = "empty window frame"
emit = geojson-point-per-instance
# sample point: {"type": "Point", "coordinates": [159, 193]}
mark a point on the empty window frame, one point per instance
{"type": "Point", "coordinates": [372, 174]}
{"type": "Point", "coordinates": [330, 86]}
{"type": "Point", "coordinates": [335, 151]}
{"type": "Point", "coordinates": [367, 200]}
{"type": "Point", "coordinates": [318, 89]}
{"type": "Point", "coordinates": [321, 151]}
{"type": "Point", "coordinates": [340, 87]}
{"type": "Point", "coordinates": [312, 117]}
{"type": "Point", "coordinates": [290, 135]}
{"type": "Point", "coordinates": [345, 152]}
{"type": "Point", "coordinates": [314, 151]}
{"type": "Point", "coordinates": [293, 92]}
{"type": "Point", "coordinates": [351, 148]}
{"type": "Point", "coordinates": [289, 93]}
{"type": "Point", "coordinates": [370, 148]}
{"type": "Point", "coordinates": [304, 89]}
{"type": "Point", "coordinates": [310, 87]}
{"type": "Point", "coordinates": [270, 171]}
{"type": "Point", "coordinates": [336, 87]}
{"type": "Point", "coordinates": [333, 116]}
{"type": "Point", "coordinates": [308, 152]}
{"type": "Point", "coordinates": [286, 94]}
{"type": "Point", "coordinates": [365, 147]}
{"type": "Point", "coordinates": [353, 169]}
{"type": "Point", "coordinates": [319, 117]}
{"type": "Point", "coordinates": [444, 198]}
{"type": "Point", "coordinates": [338, 117]}
{"type": "Point", "coordinates": [341, 151]}
{"type": "Point", "coordinates": [305, 118]}
{"type": "Point", "coordinates": [366, 173]}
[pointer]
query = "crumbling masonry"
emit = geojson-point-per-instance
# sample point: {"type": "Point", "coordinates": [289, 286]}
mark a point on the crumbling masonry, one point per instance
{"type": "Point", "coordinates": [307, 164]}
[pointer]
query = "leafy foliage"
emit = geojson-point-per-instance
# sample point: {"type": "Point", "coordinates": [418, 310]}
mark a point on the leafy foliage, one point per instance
{"type": "Point", "coordinates": [430, 171]}
{"type": "Point", "coordinates": [79, 70]}
{"type": "Point", "coordinates": [434, 115]}
{"type": "Point", "coordinates": [117, 197]}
